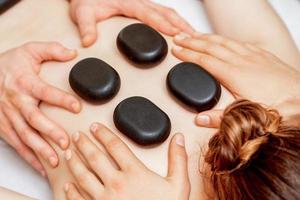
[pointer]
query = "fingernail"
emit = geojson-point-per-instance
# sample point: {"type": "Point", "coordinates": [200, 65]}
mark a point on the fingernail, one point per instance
{"type": "Point", "coordinates": [94, 127]}
{"type": "Point", "coordinates": [68, 154]}
{"type": "Point", "coordinates": [76, 136]}
{"type": "Point", "coordinates": [69, 52]}
{"type": "Point", "coordinates": [75, 106]}
{"type": "Point", "coordinates": [73, 53]}
{"type": "Point", "coordinates": [203, 120]}
{"type": "Point", "coordinates": [180, 140]}
{"type": "Point", "coordinates": [66, 187]}
{"type": "Point", "coordinates": [62, 143]}
{"type": "Point", "coordinates": [182, 36]}
{"type": "Point", "coordinates": [53, 161]}
{"type": "Point", "coordinates": [87, 39]}
{"type": "Point", "coordinates": [177, 48]}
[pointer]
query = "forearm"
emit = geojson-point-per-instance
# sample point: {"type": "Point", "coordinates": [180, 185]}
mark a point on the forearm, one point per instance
{"type": "Point", "coordinates": [10, 195]}
{"type": "Point", "coordinates": [253, 21]}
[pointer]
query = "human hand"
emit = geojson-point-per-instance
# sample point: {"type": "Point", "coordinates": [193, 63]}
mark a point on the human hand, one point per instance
{"type": "Point", "coordinates": [22, 124]}
{"type": "Point", "coordinates": [86, 14]}
{"type": "Point", "coordinates": [131, 180]}
{"type": "Point", "coordinates": [247, 71]}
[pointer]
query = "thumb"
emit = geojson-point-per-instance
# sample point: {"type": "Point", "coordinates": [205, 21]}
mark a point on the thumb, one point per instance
{"type": "Point", "coordinates": [86, 21]}
{"type": "Point", "coordinates": [178, 170]}
{"type": "Point", "coordinates": [210, 118]}
{"type": "Point", "coordinates": [43, 51]}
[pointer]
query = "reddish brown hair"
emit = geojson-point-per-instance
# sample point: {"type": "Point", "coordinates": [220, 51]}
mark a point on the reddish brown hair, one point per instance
{"type": "Point", "coordinates": [254, 155]}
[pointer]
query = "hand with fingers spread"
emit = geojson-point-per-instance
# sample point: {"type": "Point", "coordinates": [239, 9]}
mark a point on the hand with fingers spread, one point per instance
{"type": "Point", "coordinates": [22, 124]}
{"type": "Point", "coordinates": [247, 71]}
{"type": "Point", "coordinates": [86, 14]}
{"type": "Point", "coordinates": [129, 179]}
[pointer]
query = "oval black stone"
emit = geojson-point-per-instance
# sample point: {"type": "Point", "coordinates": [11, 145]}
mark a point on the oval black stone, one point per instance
{"type": "Point", "coordinates": [194, 86]}
{"type": "Point", "coordinates": [142, 44]}
{"type": "Point", "coordinates": [94, 80]}
{"type": "Point", "coordinates": [142, 121]}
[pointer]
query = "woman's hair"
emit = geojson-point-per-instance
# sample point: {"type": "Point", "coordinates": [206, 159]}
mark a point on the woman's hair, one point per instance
{"type": "Point", "coordinates": [254, 155]}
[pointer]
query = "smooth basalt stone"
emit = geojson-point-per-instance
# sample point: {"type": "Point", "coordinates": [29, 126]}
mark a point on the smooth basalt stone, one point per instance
{"type": "Point", "coordinates": [94, 80]}
{"type": "Point", "coordinates": [7, 4]}
{"type": "Point", "coordinates": [142, 121]}
{"type": "Point", "coordinates": [142, 44]}
{"type": "Point", "coordinates": [194, 86]}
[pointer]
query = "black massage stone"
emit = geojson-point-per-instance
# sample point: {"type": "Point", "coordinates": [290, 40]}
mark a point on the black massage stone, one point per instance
{"type": "Point", "coordinates": [194, 86]}
{"type": "Point", "coordinates": [94, 80]}
{"type": "Point", "coordinates": [142, 45]}
{"type": "Point", "coordinates": [142, 121]}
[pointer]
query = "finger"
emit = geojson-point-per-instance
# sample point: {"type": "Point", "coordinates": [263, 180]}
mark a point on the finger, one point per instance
{"type": "Point", "coordinates": [11, 137]}
{"type": "Point", "coordinates": [30, 137]}
{"type": "Point", "coordinates": [253, 48]}
{"type": "Point", "coordinates": [29, 156]}
{"type": "Point", "coordinates": [177, 170]}
{"type": "Point", "coordinates": [204, 46]}
{"type": "Point", "coordinates": [43, 51]}
{"type": "Point", "coordinates": [97, 160]}
{"type": "Point", "coordinates": [87, 24]}
{"type": "Point", "coordinates": [115, 147]}
{"type": "Point", "coordinates": [233, 45]}
{"type": "Point", "coordinates": [72, 192]}
{"type": "Point", "coordinates": [43, 124]}
{"type": "Point", "coordinates": [173, 17]}
{"type": "Point", "coordinates": [45, 92]}
{"type": "Point", "coordinates": [151, 17]}
{"type": "Point", "coordinates": [210, 119]}
{"type": "Point", "coordinates": [215, 66]}
{"type": "Point", "coordinates": [86, 180]}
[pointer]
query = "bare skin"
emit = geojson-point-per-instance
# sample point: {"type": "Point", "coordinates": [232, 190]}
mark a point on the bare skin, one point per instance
{"type": "Point", "coordinates": [21, 92]}
{"type": "Point", "coordinates": [239, 67]}
{"type": "Point", "coordinates": [54, 176]}
{"type": "Point", "coordinates": [242, 68]}
{"type": "Point", "coordinates": [123, 181]}
{"type": "Point", "coordinates": [87, 13]}
{"type": "Point", "coordinates": [254, 22]}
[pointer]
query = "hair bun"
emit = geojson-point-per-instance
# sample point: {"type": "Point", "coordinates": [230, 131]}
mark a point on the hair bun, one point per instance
{"type": "Point", "coordinates": [244, 128]}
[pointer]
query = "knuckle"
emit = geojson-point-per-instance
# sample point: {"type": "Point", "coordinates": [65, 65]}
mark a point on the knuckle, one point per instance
{"type": "Point", "coordinates": [19, 148]}
{"type": "Point", "coordinates": [82, 178]}
{"type": "Point", "coordinates": [53, 131]}
{"type": "Point", "coordinates": [117, 184]}
{"type": "Point", "coordinates": [209, 47]}
{"type": "Point", "coordinates": [80, 11]}
{"type": "Point", "coordinates": [28, 46]}
{"type": "Point", "coordinates": [203, 60]}
{"type": "Point", "coordinates": [26, 135]}
{"type": "Point", "coordinates": [45, 91]}
{"type": "Point", "coordinates": [23, 82]}
{"type": "Point", "coordinates": [94, 158]}
{"type": "Point", "coordinates": [114, 144]}
{"type": "Point", "coordinates": [181, 155]}
{"type": "Point", "coordinates": [53, 46]}
{"type": "Point", "coordinates": [33, 116]}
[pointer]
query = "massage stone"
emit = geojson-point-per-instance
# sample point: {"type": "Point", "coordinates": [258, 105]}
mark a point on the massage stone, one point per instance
{"type": "Point", "coordinates": [142, 121]}
{"type": "Point", "coordinates": [142, 45]}
{"type": "Point", "coordinates": [94, 80]}
{"type": "Point", "coordinates": [194, 86]}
